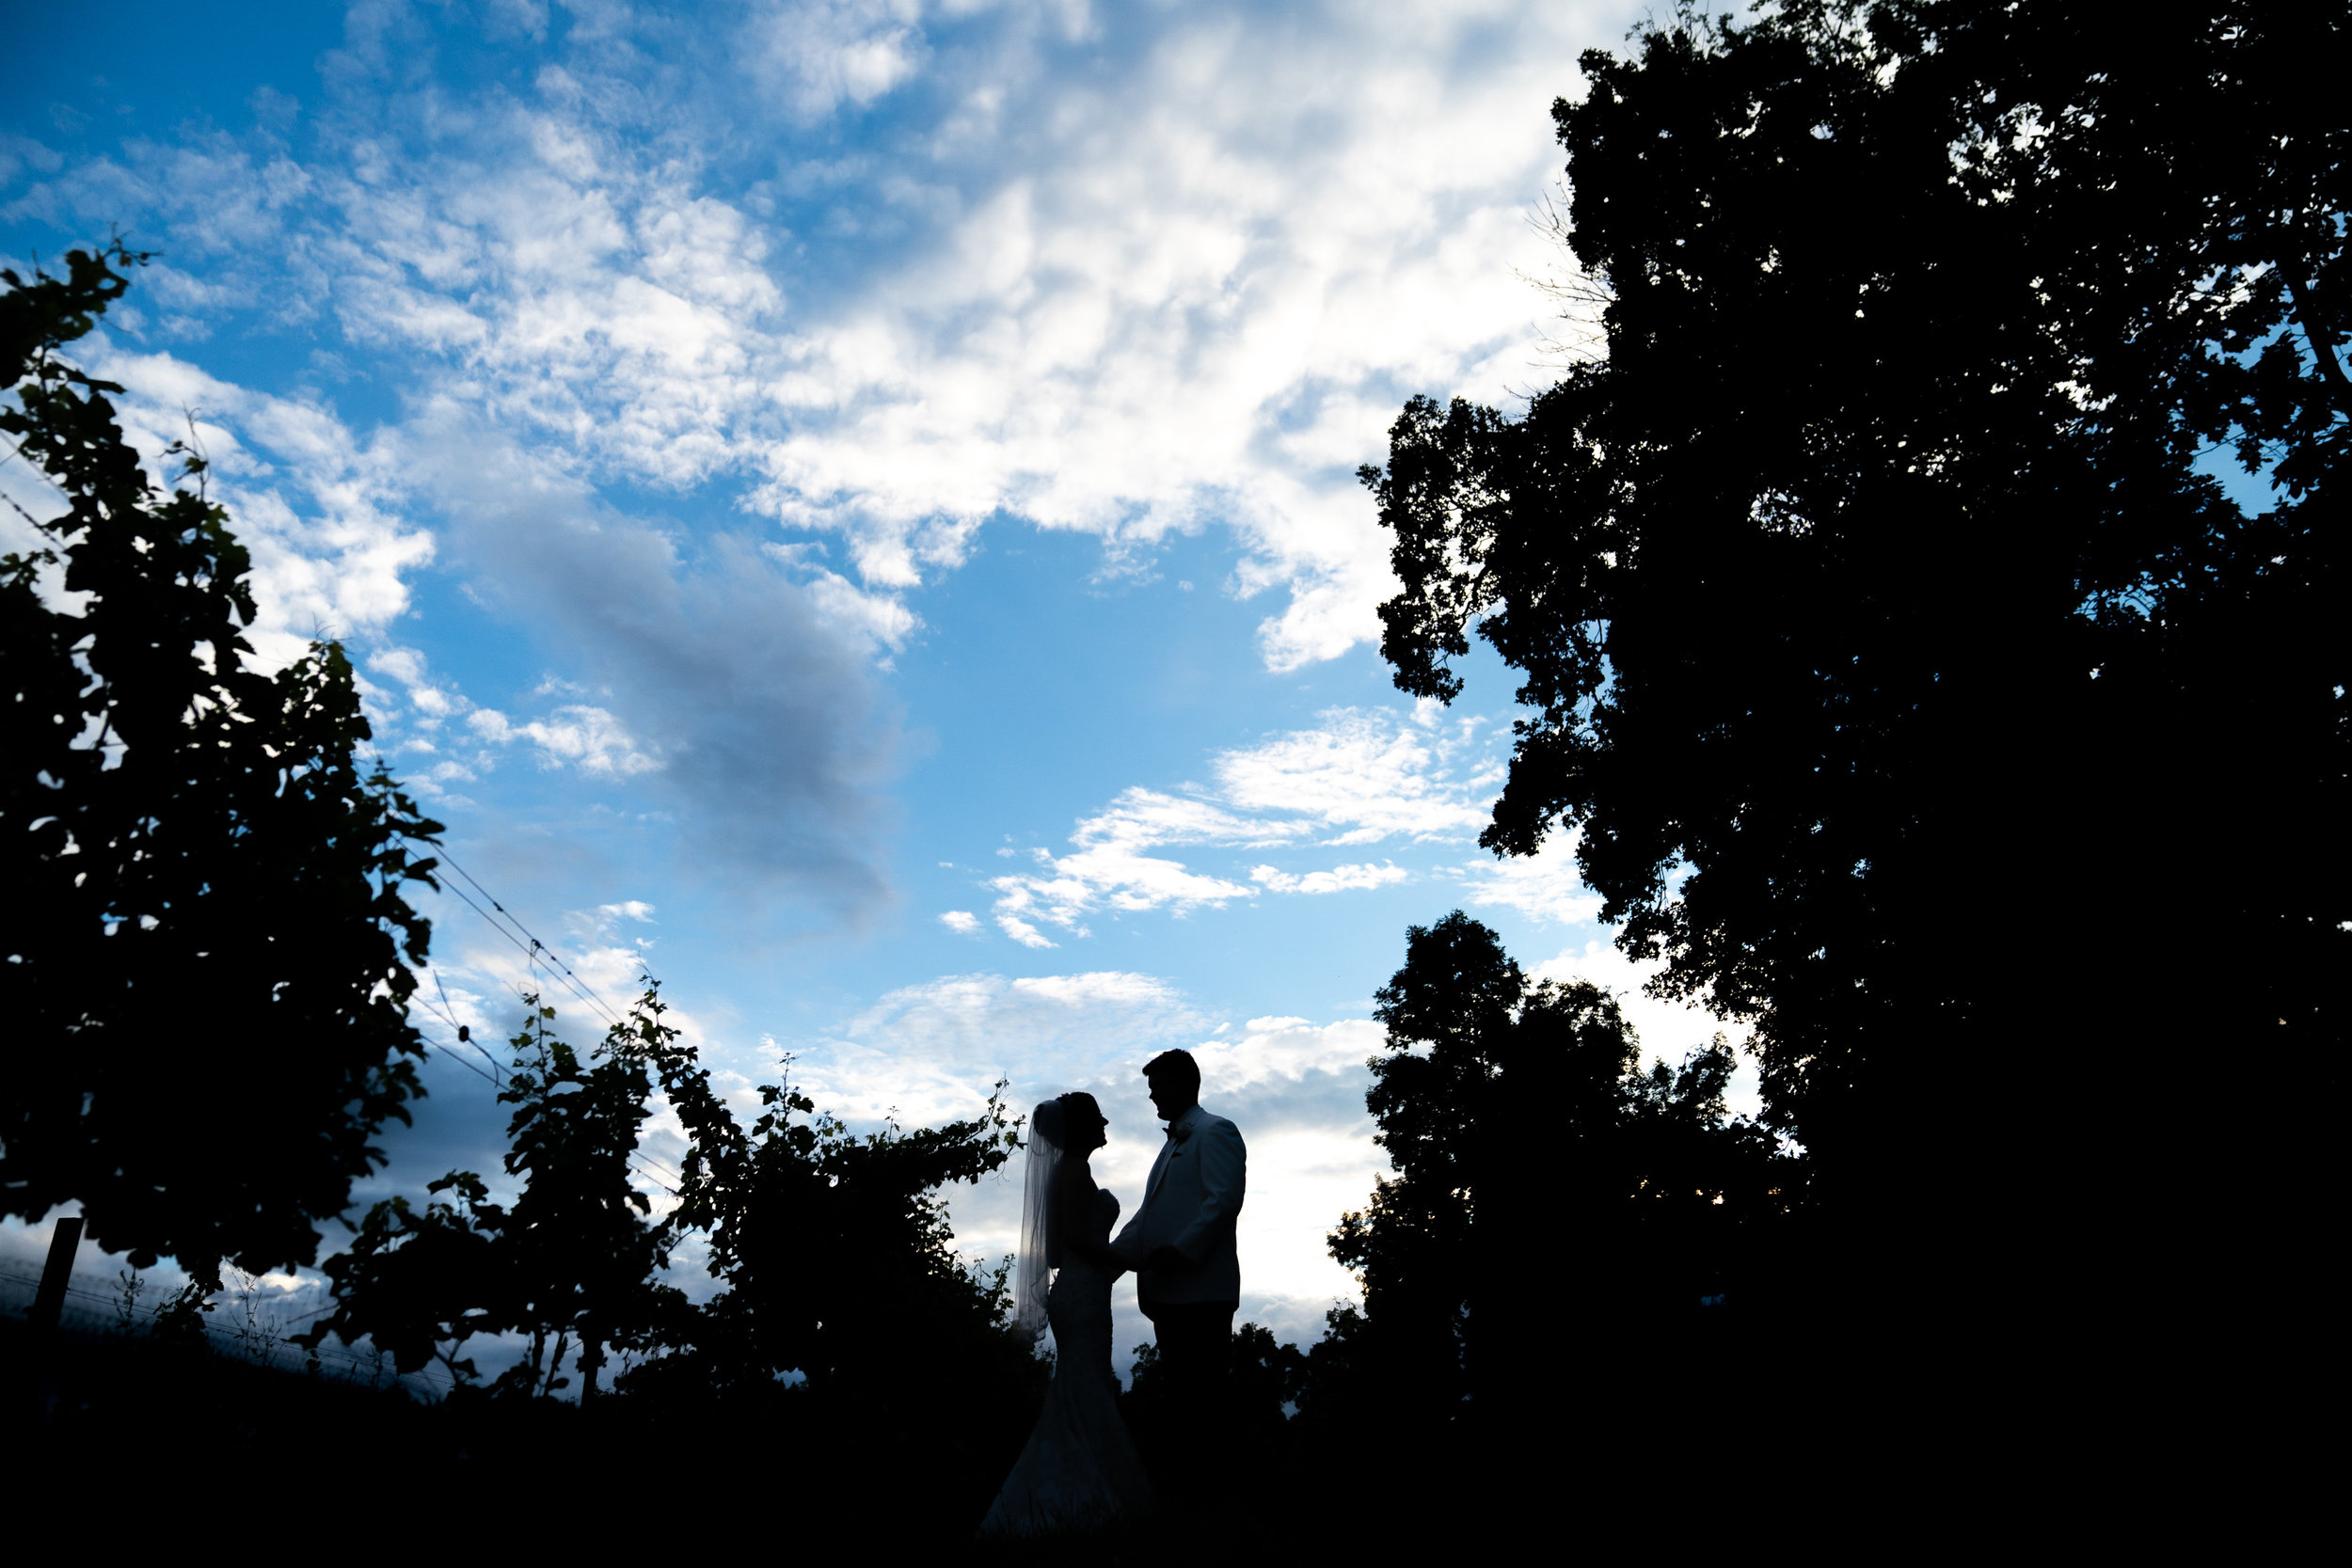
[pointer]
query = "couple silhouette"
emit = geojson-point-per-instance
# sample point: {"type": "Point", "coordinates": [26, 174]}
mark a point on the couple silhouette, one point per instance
{"type": "Point", "coordinates": [1081, 1470]}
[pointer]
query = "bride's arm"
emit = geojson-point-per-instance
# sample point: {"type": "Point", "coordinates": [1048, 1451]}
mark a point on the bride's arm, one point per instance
{"type": "Point", "coordinates": [1077, 1231]}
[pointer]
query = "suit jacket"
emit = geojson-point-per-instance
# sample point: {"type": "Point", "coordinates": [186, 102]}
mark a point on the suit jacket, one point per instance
{"type": "Point", "coordinates": [1190, 1204]}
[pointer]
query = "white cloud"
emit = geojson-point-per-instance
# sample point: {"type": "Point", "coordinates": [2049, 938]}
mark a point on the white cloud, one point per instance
{"type": "Point", "coordinates": [576, 733]}
{"type": "Point", "coordinates": [1369, 775]}
{"type": "Point", "coordinates": [1340, 878]}
{"type": "Point", "coordinates": [963, 922]}
{"type": "Point", "coordinates": [878, 620]}
{"type": "Point", "coordinates": [1359, 776]}
{"type": "Point", "coordinates": [1543, 886]}
{"type": "Point", "coordinates": [1273, 1051]}
{"type": "Point", "coordinates": [816, 55]}
{"type": "Point", "coordinates": [1110, 867]}
{"type": "Point", "coordinates": [1022, 931]}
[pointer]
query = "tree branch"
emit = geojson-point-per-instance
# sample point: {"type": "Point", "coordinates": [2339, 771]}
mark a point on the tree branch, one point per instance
{"type": "Point", "coordinates": [2332, 369]}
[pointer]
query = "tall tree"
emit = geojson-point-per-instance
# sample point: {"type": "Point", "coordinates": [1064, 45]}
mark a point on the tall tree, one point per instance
{"type": "Point", "coordinates": [1547, 1188]}
{"type": "Point", "coordinates": [206, 942]}
{"type": "Point", "coordinates": [571, 1266]}
{"type": "Point", "coordinates": [1914, 686]}
{"type": "Point", "coordinates": [835, 1251]}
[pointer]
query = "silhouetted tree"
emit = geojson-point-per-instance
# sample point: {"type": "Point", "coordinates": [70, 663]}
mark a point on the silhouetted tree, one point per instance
{"type": "Point", "coordinates": [1917, 692]}
{"type": "Point", "coordinates": [1269, 1377]}
{"type": "Point", "coordinates": [207, 947]}
{"type": "Point", "coordinates": [571, 1265]}
{"type": "Point", "coordinates": [418, 1284]}
{"type": "Point", "coordinates": [839, 1261]}
{"type": "Point", "coordinates": [585, 1252]}
{"type": "Point", "coordinates": [1545, 1187]}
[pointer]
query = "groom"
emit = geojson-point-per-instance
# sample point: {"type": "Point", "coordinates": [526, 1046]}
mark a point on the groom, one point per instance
{"type": "Point", "coordinates": [1190, 1282]}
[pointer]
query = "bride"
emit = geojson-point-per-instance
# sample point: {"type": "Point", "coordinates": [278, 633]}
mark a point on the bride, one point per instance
{"type": "Point", "coordinates": [1080, 1470]}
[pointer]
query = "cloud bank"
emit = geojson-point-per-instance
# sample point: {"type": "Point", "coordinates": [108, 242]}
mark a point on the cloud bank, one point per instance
{"type": "Point", "coordinates": [889, 271]}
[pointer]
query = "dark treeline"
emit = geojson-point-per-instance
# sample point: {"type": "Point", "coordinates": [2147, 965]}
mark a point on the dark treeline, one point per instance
{"type": "Point", "coordinates": [1919, 695]}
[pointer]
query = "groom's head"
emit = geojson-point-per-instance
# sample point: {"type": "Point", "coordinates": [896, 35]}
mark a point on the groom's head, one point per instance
{"type": "Point", "coordinates": [1175, 1081]}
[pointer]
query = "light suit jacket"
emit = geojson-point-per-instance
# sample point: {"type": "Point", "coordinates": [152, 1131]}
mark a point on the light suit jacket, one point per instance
{"type": "Point", "coordinates": [1190, 1204]}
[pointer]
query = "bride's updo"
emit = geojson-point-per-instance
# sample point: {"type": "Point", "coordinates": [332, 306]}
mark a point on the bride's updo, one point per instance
{"type": "Point", "coordinates": [1053, 1119]}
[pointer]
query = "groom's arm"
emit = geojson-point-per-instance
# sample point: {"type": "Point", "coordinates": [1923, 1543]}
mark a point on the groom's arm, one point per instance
{"type": "Point", "coordinates": [1126, 1236]}
{"type": "Point", "coordinates": [1223, 1173]}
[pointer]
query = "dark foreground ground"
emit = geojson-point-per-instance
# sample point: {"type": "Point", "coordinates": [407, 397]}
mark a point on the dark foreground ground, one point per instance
{"type": "Point", "coordinates": [126, 1433]}
{"type": "Point", "coordinates": [129, 1433]}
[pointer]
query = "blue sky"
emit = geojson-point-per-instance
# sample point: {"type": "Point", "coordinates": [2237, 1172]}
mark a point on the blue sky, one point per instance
{"type": "Point", "coordinates": [852, 505]}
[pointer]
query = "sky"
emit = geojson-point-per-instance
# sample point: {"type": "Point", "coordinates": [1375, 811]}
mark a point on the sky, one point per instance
{"type": "Point", "coordinates": [852, 508]}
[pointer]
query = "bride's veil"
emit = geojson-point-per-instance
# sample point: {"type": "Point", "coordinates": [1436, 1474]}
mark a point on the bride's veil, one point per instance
{"type": "Point", "coordinates": [1041, 1248]}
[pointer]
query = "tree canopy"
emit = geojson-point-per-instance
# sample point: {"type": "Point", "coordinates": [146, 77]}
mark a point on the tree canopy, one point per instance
{"type": "Point", "coordinates": [1913, 683]}
{"type": "Point", "coordinates": [834, 1247]}
{"type": "Point", "coordinates": [572, 1265]}
{"type": "Point", "coordinates": [206, 939]}
{"type": "Point", "coordinates": [1547, 1186]}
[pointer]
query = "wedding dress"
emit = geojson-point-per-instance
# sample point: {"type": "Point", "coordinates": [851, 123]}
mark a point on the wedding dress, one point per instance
{"type": "Point", "coordinates": [1080, 1470]}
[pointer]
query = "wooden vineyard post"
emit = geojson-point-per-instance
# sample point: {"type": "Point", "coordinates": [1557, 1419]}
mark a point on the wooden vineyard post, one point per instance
{"type": "Point", "coordinates": [63, 1243]}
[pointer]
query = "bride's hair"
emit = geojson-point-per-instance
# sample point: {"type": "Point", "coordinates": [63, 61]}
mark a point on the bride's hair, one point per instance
{"type": "Point", "coordinates": [1077, 1103]}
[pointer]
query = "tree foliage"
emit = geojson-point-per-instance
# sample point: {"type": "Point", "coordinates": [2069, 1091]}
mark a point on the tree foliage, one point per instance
{"type": "Point", "coordinates": [1874, 597]}
{"type": "Point", "coordinates": [205, 935]}
{"type": "Point", "coordinates": [571, 1266]}
{"type": "Point", "coordinates": [834, 1247]}
{"type": "Point", "coordinates": [1541, 1176]}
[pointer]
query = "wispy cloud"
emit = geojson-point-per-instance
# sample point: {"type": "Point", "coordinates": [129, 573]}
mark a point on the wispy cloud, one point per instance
{"type": "Point", "coordinates": [1359, 776]}
{"type": "Point", "coordinates": [1340, 878]}
{"type": "Point", "coordinates": [1363, 776]}
{"type": "Point", "coordinates": [575, 733]}
{"type": "Point", "coordinates": [1113, 867]}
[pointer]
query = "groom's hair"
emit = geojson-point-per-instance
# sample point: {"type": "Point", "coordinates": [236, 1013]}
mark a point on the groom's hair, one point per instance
{"type": "Point", "coordinates": [1175, 1067]}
